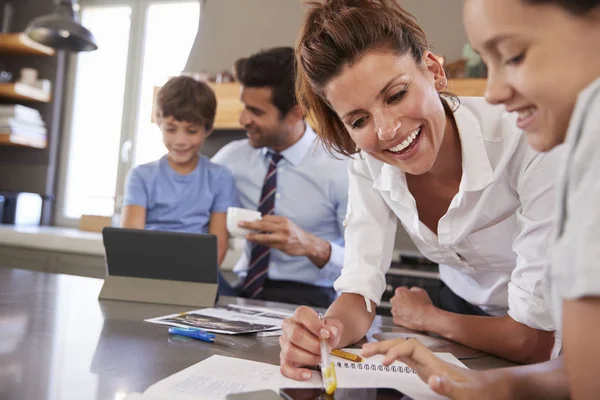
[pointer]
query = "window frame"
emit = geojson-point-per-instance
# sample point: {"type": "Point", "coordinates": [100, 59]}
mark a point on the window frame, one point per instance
{"type": "Point", "coordinates": [131, 102]}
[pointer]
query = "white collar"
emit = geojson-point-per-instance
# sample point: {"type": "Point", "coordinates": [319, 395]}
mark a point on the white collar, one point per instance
{"type": "Point", "coordinates": [296, 152]}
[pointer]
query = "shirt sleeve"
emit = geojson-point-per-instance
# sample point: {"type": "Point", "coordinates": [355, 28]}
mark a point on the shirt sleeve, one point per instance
{"type": "Point", "coordinates": [369, 237]}
{"type": "Point", "coordinates": [536, 187]}
{"type": "Point", "coordinates": [336, 258]}
{"type": "Point", "coordinates": [226, 193]}
{"type": "Point", "coordinates": [580, 235]}
{"type": "Point", "coordinates": [136, 193]}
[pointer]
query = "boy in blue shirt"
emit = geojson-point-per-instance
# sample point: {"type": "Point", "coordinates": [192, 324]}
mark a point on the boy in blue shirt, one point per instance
{"type": "Point", "coordinates": [183, 191]}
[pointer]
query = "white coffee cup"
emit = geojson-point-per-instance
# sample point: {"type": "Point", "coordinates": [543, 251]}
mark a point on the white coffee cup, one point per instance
{"type": "Point", "coordinates": [236, 215]}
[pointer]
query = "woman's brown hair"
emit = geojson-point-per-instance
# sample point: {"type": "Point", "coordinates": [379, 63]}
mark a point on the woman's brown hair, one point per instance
{"type": "Point", "coordinates": [337, 33]}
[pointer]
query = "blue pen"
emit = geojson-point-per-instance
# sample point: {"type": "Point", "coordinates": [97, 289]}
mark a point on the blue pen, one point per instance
{"type": "Point", "coordinates": [193, 333]}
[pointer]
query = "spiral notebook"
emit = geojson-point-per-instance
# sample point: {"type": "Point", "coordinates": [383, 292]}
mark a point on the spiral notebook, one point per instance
{"type": "Point", "coordinates": [371, 364]}
{"type": "Point", "coordinates": [218, 376]}
{"type": "Point", "coordinates": [374, 364]}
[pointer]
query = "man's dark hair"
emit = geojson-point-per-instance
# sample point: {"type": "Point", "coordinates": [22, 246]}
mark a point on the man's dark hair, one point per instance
{"type": "Point", "coordinates": [187, 99]}
{"type": "Point", "coordinates": [577, 7]}
{"type": "Point", "coordinates": [273, 68]}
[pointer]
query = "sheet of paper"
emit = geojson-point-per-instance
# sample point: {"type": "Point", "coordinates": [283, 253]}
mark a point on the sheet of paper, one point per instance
{"type": "Point", "coordinates": [218, 376]}
{"type": "Point", "coordinates": [224, 319]}
{"type": "Point", "coordinates": [278, 313]}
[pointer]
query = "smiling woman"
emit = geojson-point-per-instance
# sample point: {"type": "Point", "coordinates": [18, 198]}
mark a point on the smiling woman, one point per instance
{"type": "Point", "coordinates": [458, 175]}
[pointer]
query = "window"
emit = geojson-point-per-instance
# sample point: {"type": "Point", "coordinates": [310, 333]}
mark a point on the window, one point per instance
{"type": "Point", "coordinates": [166, 50]}
{"type": "Point", "coordinates": [141, 43]}
{"type": "Point", "coordinates": [98, 111]}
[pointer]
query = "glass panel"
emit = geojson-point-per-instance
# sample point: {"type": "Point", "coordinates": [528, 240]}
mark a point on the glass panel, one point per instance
{"type": "Point", "coordinates": [170, 33]}
{"type": "Point", "coordinates": [93, 153]}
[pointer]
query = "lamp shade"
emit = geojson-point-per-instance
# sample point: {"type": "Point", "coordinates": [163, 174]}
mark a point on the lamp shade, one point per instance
{"type": "Point", "coordinates": [61, 31]}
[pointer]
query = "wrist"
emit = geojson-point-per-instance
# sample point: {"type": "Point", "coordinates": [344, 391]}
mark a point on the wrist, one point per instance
{"type": "Point", "coordinates": [435, 320]}
{"type": "Point", "coordinates": [317, 250]}
{"type": "Point", "coordinates": [504, 381]}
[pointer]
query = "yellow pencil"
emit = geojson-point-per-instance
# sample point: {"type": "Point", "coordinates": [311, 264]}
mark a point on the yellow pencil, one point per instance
{"type": "Point", "coordinates": [327, 367]}
{"type": "Point", "coordinates": [347, 356]}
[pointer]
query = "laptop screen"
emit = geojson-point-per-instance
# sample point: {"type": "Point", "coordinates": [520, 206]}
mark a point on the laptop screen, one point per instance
{"type": "Point", "coordinates": [161, 255]}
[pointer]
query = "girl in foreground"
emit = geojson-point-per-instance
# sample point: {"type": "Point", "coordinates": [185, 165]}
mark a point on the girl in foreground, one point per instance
{"type": "Point", "coordinates": [543, 59]}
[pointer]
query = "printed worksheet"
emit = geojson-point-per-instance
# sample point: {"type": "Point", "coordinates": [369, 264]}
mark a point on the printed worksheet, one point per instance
{"type": "Point", "coordinates": [218, 376]}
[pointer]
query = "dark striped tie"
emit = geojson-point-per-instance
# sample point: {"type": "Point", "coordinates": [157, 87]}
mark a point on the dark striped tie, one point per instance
{"type": "Point", "coordinates": [260, 255]}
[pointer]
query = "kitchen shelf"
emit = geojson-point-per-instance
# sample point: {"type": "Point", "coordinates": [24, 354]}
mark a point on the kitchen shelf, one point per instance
{"type": "Point", "coordinates": [474, 87]}
{"type": "Point", "coordinates": [20, 43]}
{"type": "Point", "coordinates": [22, 92]}
{"type": "Point", "coordinates": [230, 106]}
{"type": "Point", "coordinates": [21, 141]}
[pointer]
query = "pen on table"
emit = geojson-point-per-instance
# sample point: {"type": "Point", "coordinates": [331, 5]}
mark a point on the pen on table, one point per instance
{"type": "Point", "coordinates": [347, 356]}
{"type": "Point", "coordinates": [193, 333]}
{"type": "Point", "coordinates": [327, 368]}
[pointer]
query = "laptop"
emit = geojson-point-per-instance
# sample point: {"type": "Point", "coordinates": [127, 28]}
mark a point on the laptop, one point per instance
{"type": "Point", "coordinates": [160, 267]}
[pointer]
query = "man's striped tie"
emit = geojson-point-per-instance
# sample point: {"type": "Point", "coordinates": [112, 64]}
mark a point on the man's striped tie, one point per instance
{"type": "Point", "coordinates": [260, 255]}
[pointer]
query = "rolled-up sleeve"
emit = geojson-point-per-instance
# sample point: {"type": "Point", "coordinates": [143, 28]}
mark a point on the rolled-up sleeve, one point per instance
{"type": "Point", "coordinates": [369, 236]}
{"type": "Point", "coordinates": [536, 190]}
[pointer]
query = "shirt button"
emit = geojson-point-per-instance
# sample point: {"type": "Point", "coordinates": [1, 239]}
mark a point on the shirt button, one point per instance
{"type": "Point", "coordinates": [345, 223]}
{"type": "Point", "coordinates": [277, 195]}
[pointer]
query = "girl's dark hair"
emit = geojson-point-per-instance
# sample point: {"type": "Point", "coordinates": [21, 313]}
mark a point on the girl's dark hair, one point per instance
{"type": "Point", "coordinates": [577, 7]}
{"type": "Point", "coordinates": [337, 33]}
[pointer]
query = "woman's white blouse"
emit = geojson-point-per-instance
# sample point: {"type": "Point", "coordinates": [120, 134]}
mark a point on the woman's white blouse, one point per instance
{"type": "Point", "coordinates": [492, 243]}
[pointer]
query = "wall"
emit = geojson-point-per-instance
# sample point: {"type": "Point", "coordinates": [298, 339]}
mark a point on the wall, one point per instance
{"type": "Point", "coordinates": [442, 22]}
{"type": "Point", "coordinates": [230, 29]}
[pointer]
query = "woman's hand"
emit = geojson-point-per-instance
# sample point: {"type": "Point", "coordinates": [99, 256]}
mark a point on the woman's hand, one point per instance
{"type": "Point", "coordinates": [411, 308]}
{"type": "Point", "coordinates": [300, 341]}
{"type": "Point", "coordinates": [443, 378]}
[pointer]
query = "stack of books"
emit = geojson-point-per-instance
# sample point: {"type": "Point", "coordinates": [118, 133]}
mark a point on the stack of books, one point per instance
{"type": "Point", "coordinates": [22, 121]}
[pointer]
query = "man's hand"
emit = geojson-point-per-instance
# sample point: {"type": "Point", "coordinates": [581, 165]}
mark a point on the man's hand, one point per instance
{"type": "Point", "coordinates": [443, 378]}
{"type": "Point", "coordinates": [279, 233]}
{"type": "Point", "coordinates": [411, 308]}
{"type": "Point", "coordinates": [282, 234]}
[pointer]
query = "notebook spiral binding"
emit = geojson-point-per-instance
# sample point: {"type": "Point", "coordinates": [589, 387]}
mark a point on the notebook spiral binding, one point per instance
{"type": "Point", "coordinates": [375, 367]}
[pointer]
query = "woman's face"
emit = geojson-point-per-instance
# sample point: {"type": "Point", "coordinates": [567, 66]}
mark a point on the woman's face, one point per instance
{"type": "Point", "coordinates": [391, 108]}
{"type": "Point", "coordinates": [539, 58]}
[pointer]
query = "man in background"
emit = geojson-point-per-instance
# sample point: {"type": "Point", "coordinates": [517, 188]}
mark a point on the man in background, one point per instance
{"type": "Point", "coordinates": [282, 170]}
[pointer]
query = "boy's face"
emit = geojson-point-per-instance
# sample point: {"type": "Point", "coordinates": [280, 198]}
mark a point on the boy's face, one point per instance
{"type": "Point", "coordinates": [183, 139]}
